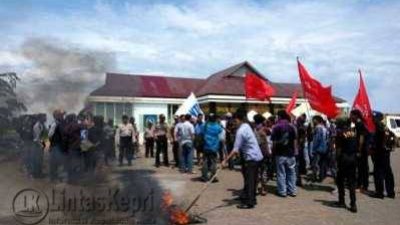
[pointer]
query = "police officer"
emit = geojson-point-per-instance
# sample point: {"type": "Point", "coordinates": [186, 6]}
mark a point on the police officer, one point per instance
{"type": "Point", "coordinates": [161, 132]}
{"type": "Point", "coordinates": [383, 144]}
{"type": "Point", "coordinates": [347, 149]}
{"type": "Point", "coordinates": [125, 136]}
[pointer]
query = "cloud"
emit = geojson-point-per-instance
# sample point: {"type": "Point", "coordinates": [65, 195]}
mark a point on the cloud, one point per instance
{"type": "Point", "coordinates": [197, 38]}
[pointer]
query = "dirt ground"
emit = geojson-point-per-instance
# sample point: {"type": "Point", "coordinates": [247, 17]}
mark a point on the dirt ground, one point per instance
{"type": "Point", "coordinates": [311, 206]}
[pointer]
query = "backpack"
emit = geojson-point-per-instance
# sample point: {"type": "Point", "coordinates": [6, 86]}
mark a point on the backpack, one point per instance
{"type": "Point", "coordinates": [284, 143]}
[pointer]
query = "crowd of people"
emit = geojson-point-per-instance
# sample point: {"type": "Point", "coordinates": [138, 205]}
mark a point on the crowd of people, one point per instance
{"type": "Point", "coordinates": [291, 150]}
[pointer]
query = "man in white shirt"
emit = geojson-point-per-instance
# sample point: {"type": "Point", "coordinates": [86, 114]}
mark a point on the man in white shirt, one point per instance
{"type": "Point", "coordinates": [247, 146]}
{"type": "Point", "coordinates": [124, 138]}
{"type": "Point", "coordinates": [186, 143]}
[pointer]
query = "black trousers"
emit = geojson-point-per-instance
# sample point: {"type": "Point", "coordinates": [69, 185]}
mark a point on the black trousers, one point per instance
{"type": "Point", "coordinates": [149, 147]}
{"type": "Point", "coordinates": [229, 148]}
{"type": "Point", "coordinates": [383, 174]}
{"type": "Point", "coordinates": [198, 145]}
{"type": "Point", "coordinates": [162, 147]}
{"type": "Point", "coordinates": [363, 171]}
{"type": "Point", "coordinates": [301, 161]}
{"type": "Point", "coordinates": [250, 177]}
{"type": "Point", "coordinates": [347, 166]}
{"type": "Point", "coordinates": [320, 165]}
{"type": "Point", "coordinates": [125, 149]}
{"type": "Point", "coordinates": [300, 165]}
{"type": "Point", "coordinates": [175, 152]}
{"type": "Point", "coordinates": [108, 151]}
{"type": "Point", "coordinates": [90, 160]}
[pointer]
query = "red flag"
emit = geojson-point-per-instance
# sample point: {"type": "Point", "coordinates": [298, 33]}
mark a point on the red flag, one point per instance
{"type": "Point", "coordinates": [319, 97]}
{"type": "Point", "coordinates": [257, 88]}
{"type": "Point", "coordinates": [292, 103]}
{"type": "Point", "coordinates": [361, 102]}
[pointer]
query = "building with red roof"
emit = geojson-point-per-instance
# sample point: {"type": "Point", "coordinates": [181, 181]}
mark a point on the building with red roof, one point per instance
{"type": "Point", "coordinates": [145, 96]}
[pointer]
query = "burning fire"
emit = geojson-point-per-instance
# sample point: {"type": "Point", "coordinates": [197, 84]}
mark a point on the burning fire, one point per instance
{"type": "Point", "coordinates": [177, 216]}
{"type": "Point", "coordinates": [167, 200]}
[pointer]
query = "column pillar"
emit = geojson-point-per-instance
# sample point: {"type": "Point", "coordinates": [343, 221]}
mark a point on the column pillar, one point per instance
{"type": "Point", "coordinates": [213, 107]}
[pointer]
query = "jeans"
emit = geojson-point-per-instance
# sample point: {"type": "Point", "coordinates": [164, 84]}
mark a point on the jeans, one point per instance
{"type": "Point", "coordinates": [307, 154]}
{"type": "Point", "coordinates": [286, 175]}
{"type": "Point", "coordinates": [320, 165]}
{"type": "Point", "coordinates": [56, 160]}
{"type": "Point", "coordinates": [263, 171]}
{"type": "Point", "coordinates": [209, 164]}
{"type": "Point", "coordinates": [187, 157]}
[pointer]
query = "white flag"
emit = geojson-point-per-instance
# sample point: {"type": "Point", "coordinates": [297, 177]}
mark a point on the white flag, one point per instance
{"type": "Point", "coordinates": [190, 106]}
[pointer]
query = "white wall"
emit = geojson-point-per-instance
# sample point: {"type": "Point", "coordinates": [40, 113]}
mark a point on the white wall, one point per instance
{"type": "Point", "coordinates": [140, 109]}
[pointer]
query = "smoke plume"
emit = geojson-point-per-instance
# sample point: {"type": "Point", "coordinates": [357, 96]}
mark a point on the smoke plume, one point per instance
{"type": "Point", "coordinates": [61, 75]}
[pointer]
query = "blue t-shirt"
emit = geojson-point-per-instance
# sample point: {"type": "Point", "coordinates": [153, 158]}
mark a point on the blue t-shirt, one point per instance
{"type": "Point", "coordinates": [198, 128]}
{"type": "Point", "coordinates": [211, 131]}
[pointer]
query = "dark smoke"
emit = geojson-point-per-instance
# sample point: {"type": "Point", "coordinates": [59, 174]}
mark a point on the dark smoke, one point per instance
{"type": "Point", "coordinates": [62, 75]}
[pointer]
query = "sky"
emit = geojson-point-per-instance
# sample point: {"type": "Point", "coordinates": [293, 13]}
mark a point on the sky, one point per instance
{"type": "Point", "coordinates": [333, 39]}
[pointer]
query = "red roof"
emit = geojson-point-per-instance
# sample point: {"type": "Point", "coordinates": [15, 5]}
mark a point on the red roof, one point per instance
{"type": "Point", "coordinates": [125, 85]}
{"type": "Point", "coordinates": [229, 81]}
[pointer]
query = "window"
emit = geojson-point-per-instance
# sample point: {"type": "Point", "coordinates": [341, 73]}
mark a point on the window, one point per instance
{"type": "Point", "coordinates": [119, 112]}
{"type": "Point", "coordinates": [128, 109]}
{"type": "Point", "coordinates": [99, 108]}
{"type": "Point", "coordinates": [397, 122]}
{"type": "Point", "coordinates": [393, 124]}
{"type": "Point", "coordinates": [110, 111]}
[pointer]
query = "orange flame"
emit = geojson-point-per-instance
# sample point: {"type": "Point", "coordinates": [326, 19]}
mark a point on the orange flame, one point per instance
{"type": "Point", "coordinates": [167, 200]}
{"type": "Point", "coordinates": [177, 215]}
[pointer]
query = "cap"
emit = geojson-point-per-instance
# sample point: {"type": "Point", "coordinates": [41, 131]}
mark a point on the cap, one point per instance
{"type": "Point", "coordinates": [377, 115]}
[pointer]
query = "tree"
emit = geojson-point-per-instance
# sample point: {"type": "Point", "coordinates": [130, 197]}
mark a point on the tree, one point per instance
{"type": "Point", "coordinates": [9, 103]}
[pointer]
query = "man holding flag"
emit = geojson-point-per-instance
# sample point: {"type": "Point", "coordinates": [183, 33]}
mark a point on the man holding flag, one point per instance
{"type": "Point", "coordinates": [362, 118]}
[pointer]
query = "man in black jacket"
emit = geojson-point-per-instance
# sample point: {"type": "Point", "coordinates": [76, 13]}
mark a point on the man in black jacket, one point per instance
{"type": "Point", "coordinates": [347, 149]}
{"type": "Point", "coordinates": [382, 146]}
{"type": "Point", "coordinates": [57, 144]}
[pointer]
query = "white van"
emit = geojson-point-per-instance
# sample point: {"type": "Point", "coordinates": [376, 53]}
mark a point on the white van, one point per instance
{"type": "Point", "coordinates": [393, 123]}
